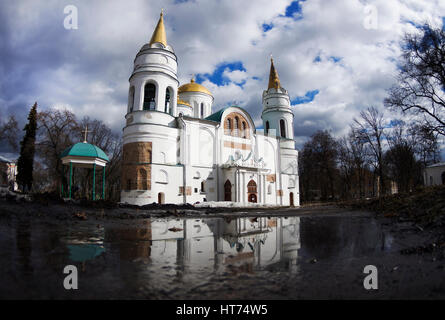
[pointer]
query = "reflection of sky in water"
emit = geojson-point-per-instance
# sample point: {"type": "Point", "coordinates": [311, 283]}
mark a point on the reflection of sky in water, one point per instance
{"type": "Point", "coordinates": [170, 255]}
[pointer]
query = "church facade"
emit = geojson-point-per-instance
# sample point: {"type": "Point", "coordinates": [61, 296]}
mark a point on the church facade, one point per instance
{"type": "Point", "coordinates": [177, 150]}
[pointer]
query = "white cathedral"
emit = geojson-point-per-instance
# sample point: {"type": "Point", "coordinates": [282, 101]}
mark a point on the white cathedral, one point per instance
{"type": "Point", "coordinates": [176, 150]}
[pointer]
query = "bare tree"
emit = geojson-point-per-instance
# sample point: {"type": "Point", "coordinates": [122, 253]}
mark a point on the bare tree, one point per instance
{"type": "Point", "coordinates": [426, 146]}
{"type": "Point", "coordinates": [55, 134]}
{"type": "Point", "coordinates": [370, 130]}
{"type": "Point", "coordinates": [9, 132]}
{"type": "Point", "coordinates": [318, 165]}
{"type": "Point", "coordinates": [352, 164]}
{"type": "Point", "coordinates": [400, 159]}
{"type": "Point", "coordinates": [421, 80]}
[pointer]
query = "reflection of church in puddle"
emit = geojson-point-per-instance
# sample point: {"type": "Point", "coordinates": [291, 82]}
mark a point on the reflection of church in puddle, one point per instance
{"type": "Point", "coordinates": [236, 245]}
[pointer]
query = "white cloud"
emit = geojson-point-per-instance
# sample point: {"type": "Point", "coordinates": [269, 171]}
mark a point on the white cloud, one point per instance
{"type": "Point", "coordinates": [91, 66]}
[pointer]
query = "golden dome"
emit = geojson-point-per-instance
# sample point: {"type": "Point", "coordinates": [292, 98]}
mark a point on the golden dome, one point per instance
{"type": "Point", "coordinates": [184, 103]}
{"type": "Point", "coordinates": [193, 87]}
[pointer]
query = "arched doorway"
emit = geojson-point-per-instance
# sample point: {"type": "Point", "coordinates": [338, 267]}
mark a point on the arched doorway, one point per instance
{"type": "Point", "coordinates": [252, 192]}
{"type": "Point", "coordinates": [291, 199]}
{"type": "Point", "coordinates": [161, 198]}
{"type": "Point", "coordinates": [228, 191]}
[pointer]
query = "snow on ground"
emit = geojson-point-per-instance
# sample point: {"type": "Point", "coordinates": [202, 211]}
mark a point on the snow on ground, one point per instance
{"type": "Point", "coordinates": [229, 204]}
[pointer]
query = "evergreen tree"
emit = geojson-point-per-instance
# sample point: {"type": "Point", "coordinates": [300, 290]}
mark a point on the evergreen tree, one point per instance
{"type": "Point", "coordinates": [27, 149]}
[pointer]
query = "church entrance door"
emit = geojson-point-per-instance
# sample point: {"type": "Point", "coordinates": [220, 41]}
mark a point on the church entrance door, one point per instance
{"type": "Point", "coordinates": [252, 191]}
{"type": "Point", "coordinates": [291, 199]}
{"type": "Point", "coordinates": [161, 198]}
{"type": "Point", "coordinates": [228, 191]}
{"type": "Point", "coordinates": [252, 198]}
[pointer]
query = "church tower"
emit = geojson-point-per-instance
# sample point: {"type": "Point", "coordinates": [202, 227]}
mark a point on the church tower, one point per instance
{"type": "Point", "coordinates": [154, 82]}
{"type": "Point", "coordinates": [277, 115]}
{"type": "Point", "coordinates": [149, 136]}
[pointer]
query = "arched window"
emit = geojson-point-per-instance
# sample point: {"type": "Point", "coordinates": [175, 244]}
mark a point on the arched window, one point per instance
{"type": "Point", "coordinates": [267, 127]}
{"type": "Point", "coordinates": [131, 99]}
{"type": "Point", "coordinates": [229, 126]}
{"type": "Point", "coordinates": [202, 110]}
{"type": "Point", "coordinates": [236, 127]}
{"type": "Point", "coordinates": [149, 96]}
{"type": "Point", "coordinates": [251, 186]}
{"type": "Point", "coordinates": [244, 133]}
{"type": "Point", "coordinates": [167, 101]}
{"type": "Point", "coordinates": [202, 186]}
{"type": "Point", "coordinates": [283, 128]}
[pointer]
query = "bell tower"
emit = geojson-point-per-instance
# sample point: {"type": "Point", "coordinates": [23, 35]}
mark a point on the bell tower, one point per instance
{"type": "Point", "coordinates": [149, 136]}
{"type": "Point", "coordinates": [154, 82]}
{"type": "Point", "coordinates": [277, 115]}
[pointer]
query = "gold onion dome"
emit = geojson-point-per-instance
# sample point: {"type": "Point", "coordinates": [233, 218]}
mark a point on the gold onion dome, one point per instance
{"type": "Point", "coordinates": [274, 80]}
{"type": "Point", "coordinates": [193, 87]}
{"type": "Point", "coordinates": [159, 34]}
{"type": "Point", "coordinates": [184, 103]}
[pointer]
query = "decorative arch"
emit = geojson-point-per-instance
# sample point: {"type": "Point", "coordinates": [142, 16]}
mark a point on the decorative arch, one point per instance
{"type": "Point", "coordinates": [291, 183]}
{"type": "Point", "coordinates": [233, 122]}
{"type": "Point", "coordinates": [162, 157]}
{"type": "Point", "coordinates": [150, 91]}
{"type": "Point", "coordinates": [162, 177]}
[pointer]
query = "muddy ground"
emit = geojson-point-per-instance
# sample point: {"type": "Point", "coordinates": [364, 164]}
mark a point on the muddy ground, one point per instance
{"type": "Point", "coordinates": [334, 245]}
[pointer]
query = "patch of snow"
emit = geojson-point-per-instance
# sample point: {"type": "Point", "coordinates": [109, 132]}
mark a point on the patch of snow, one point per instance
{"type": "Point", "coordinates": [230, 204]}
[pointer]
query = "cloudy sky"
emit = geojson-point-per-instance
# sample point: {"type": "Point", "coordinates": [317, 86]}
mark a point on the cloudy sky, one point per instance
{"type": "Point", "coordinates": [334, 57]}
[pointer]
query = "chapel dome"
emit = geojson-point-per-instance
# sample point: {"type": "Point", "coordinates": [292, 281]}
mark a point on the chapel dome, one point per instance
{"type": "Point", "coordinates": [193, 87]}
{"type": "Point", "coordinates": [83, 149]}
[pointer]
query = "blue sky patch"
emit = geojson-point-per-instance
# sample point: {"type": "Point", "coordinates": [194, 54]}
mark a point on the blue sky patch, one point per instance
{"type": "Point", "coordinates": [308, 97]}
{"type": "Point", "coordinates": [217, 76]}
{"type": "Point", "coordinates": [267, 27]}
{"type": "Point", "coordinates": [335, 59]}
{"type": "Point", "coordinates": [317, 59]}
{"type": "Point", "coordinates": [294, 10]}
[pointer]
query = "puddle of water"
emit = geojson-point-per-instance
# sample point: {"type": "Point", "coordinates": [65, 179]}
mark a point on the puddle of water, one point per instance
{"type": "Point", "coordinates": [170, 257]}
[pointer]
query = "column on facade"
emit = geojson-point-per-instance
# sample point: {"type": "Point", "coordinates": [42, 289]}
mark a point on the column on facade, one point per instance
{"type": "Point", "coordinates": [265, 188]}
{"type": "Point", "coordinates": [244, 188]}
{"type": "Point", "coordinates": [259, 188]}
